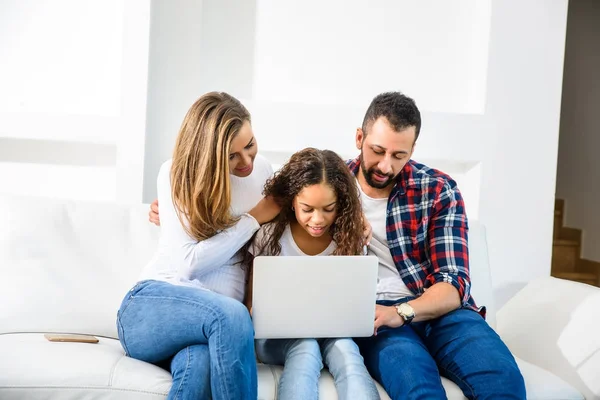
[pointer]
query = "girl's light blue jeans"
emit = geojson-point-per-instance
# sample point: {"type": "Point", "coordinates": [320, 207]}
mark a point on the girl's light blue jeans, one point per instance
{"type": "Point", "coordinates": [302, 361]}
{"type": "Point", "coordinates": [206, 339]}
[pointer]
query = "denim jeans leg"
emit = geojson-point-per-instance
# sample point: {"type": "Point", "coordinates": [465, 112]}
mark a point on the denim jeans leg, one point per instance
{"type": "Point", "coordinates": [352, 380]}
{"type": "Point", "coordinates": [157, 320]}
{"type": "Point", "coordinates": [398, 359]}
{"type": "Point", "coordinates": [191, 369]}
{"type": "Point", "coordinates": [302, 365]}
{"type": "Point", "coordinates": [473, 356]}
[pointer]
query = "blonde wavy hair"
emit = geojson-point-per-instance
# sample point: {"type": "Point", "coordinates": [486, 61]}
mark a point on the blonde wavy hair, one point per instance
{"type": "Point", "coordinates": [200, 184]}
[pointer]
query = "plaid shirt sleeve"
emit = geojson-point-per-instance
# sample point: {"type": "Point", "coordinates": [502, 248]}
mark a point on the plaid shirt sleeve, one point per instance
{"type": "Point", "coordinates": [447, 244]}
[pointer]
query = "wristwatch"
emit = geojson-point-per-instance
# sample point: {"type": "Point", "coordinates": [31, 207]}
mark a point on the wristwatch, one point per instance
{"type": "Point", "coordinates": [405, 311]}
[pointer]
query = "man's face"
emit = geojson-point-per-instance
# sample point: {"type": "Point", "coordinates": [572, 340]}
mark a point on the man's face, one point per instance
{"type": "Point", "coordinates": [384, 152]}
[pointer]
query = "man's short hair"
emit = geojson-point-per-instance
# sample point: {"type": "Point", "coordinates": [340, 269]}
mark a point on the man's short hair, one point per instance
{"type": "Point", "coordinates": [400, 111]}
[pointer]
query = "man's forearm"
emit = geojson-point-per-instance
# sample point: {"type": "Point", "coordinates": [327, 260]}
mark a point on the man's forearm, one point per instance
{"type": "Point", "coordinates": [438, 300]}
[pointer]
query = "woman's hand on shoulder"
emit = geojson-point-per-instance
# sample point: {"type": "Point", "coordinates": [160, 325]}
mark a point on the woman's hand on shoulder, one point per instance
{"type": "Point", "coordinates": [266, 210]}
{"type": "Point", "coordinates": [153, 213]}
{"type": "Point", "coordinates": [367, 231]}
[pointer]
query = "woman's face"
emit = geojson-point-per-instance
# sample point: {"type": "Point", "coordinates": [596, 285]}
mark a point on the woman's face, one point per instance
{"type": "Point", "coordinates": [243, 151]}
{"type": "Point", "coordinates": [315, 208]}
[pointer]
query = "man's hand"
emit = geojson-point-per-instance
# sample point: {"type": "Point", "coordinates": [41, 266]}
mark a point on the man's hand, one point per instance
{"type": "Point", "coordinates": [153, 213]}
{"type": "Point", "coordinates": [266, 209]}
{"type": "Point", "coordinates": [387, 316]}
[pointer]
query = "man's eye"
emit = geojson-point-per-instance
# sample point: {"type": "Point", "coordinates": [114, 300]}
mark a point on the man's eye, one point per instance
{"type": "Point", "coordinates": [378, 152]}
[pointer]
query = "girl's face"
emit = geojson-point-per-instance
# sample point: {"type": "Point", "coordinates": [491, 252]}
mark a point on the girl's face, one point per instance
{"type": "Point", "coordinates": [315, 208]}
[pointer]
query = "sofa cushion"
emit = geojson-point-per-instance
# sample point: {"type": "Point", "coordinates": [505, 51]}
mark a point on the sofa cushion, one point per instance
{"type": "Point", "coordinates": [554, 323]}
{"type": "Point", "coordinates": [541, 384]}
{"type": "Point", "coordinates": [40, 369]}
{"type": "Point", "coordinates": [75, 260]}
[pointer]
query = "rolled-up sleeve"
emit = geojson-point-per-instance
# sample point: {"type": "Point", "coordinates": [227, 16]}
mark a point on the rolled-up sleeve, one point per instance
{"type": "Point", "coordinates": [448, 241]}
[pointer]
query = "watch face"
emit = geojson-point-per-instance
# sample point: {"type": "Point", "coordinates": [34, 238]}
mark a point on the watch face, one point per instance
{"type": "Point", "coordinates": [406, 310]}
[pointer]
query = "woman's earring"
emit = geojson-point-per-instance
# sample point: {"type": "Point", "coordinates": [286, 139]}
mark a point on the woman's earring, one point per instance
{"type": "Point", "coordinates": [292, 208]}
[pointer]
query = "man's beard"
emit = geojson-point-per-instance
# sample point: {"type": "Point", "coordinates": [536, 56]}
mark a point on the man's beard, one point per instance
{"type": "Point", "coordinates": [368, 174]}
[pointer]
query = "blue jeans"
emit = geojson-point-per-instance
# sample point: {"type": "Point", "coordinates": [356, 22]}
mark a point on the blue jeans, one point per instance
{"type": "Point", "coordinates": [302, 363]}
{"type": "Point", "coordinates": [207, 339]}
{"type": "Point", "coordinates": [460, 346]}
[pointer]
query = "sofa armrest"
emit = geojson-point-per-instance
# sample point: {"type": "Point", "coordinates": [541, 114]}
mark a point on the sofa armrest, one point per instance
{"type": "Point", "coordinates": [554, 324]}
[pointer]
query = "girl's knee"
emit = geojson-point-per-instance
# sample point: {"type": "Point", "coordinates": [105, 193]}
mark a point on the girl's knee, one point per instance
{"type": "Point", "coordinates": [345, 345]}
{"type": "Point", "coordinates": [304, 346]}
{"type": "Point", "coordinates": [343, 357]}
{"type": "Point", "coordinates": [305, 352]}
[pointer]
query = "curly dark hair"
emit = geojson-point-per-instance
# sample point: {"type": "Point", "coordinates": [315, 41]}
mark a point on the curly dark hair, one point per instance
{"type": "Point", "coordinates": [312, 167]}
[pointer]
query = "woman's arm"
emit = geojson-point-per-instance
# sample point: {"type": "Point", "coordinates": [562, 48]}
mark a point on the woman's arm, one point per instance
{"type": "Point", "coordinates": [198, 258]}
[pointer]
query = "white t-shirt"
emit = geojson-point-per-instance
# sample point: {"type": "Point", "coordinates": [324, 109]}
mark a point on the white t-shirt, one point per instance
{"type": "Point", "coordinates": [389, 284]}
{"type": "Point", "coordinates": [287, 242]}
{"type": "Point", "coordinates": [214, 263]}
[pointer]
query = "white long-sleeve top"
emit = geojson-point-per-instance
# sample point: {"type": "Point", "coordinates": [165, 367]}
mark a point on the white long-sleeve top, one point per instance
{"type": "Point", "coordinates": [214, 263]}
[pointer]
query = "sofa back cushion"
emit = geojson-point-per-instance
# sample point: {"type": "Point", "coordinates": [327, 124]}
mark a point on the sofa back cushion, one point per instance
{"type": "Point", "coordinates": [66, 265]}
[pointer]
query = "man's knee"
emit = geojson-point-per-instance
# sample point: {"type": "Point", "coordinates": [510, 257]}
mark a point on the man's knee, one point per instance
{"type": "Point", "coordinates": [510, 377]}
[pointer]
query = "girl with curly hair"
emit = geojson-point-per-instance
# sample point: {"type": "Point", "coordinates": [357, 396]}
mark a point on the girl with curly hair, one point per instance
{"type": "Point", "coordinates": [320, 215]}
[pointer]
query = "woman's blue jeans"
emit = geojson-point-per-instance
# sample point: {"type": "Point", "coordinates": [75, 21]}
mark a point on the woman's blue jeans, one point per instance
{"type": "Point", "coordinates": [207, 338]}
{"type": "Point", "coordinates": [302, 361]}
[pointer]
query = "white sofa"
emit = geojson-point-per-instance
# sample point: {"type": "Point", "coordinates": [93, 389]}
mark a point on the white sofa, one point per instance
{"type": "Point", "coordinates": [65, 266]}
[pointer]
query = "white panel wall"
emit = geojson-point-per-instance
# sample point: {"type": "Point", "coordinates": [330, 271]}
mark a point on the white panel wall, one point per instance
{"type": "Point", "coordinates": [487, 75]}
{"type": "Point", "coordinates": [520, 138]}
{"type": "Point", "coordinates": [338, 52]}
{"type": "Point", "coordinates": [578, 176]}
{"type": "Point", "coordinates": [73, 76]}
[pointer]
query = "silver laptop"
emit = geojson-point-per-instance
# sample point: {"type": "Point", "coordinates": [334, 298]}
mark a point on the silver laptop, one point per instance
{"type": "Point", "coordinates": [315, 297]}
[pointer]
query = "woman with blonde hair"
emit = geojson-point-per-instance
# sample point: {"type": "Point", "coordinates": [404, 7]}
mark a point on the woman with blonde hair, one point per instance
{"type": "Point", "coordinates": [186, 312]}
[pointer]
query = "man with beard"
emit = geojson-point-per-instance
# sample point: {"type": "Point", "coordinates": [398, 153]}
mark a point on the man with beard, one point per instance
{"type": "Point", "coordinates": [426, 322]}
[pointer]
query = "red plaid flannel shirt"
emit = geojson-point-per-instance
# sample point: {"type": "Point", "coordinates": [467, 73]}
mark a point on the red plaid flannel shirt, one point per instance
{"type": "Point", "coordinates": [427, 230]}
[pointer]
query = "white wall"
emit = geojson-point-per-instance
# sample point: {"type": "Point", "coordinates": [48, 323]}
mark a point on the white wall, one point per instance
{"type": "Point", "coordinates": [375, 46]}
{"type": "Point", "coordinates": [578, 172]}
{"type": "Point", "coordinates": [73, 100]}
{"type": "Point", "coordinates": [502, 114]}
